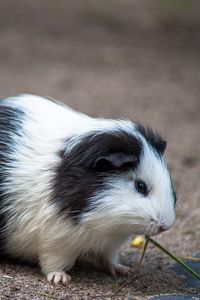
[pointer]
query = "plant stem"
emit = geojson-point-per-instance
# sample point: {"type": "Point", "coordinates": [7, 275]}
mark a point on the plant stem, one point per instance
{"type": "Point", "coordinates": [142, 256]}
{"type": "Point", "coordinates": [174, 257]}
{"type": "Point", "coordinates": [190, 258]}
{"type": "Point", "coordinates": [144, 251]}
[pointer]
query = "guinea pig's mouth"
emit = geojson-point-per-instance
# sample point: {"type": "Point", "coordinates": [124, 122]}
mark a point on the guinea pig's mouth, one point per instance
{"type": "Point", "coordinates": [155, 228]}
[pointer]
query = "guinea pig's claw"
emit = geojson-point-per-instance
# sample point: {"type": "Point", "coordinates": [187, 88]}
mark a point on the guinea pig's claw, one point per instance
{"type": "Point", "coordinates": [58, 277]}
{"type": "Point", "coordinates": [120, 269]}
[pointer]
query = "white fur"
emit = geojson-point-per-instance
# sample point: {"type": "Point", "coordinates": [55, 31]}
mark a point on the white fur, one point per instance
{"type": "Point", "coordinates": [39, 232]}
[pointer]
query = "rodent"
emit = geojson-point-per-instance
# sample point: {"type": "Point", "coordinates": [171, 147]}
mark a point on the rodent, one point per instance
{"type": "Point", "coordinates": [75, 187]}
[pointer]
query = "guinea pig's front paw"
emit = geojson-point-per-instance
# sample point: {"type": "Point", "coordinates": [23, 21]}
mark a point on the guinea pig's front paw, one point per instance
{"type": "Point", "coordinates": [58, 277]}
{"type": "Point", "coordinates": [120, 269]}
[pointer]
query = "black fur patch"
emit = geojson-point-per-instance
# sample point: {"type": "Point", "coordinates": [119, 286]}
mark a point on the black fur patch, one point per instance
{"type": "Point", "coordinates": [10, 126]}
{"type": "Point", "coordinates": [77, 178]}
{"type": "Point", "coordinates": [153, 138]}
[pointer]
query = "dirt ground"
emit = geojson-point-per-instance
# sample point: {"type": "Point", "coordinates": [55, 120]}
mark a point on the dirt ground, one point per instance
{"type": "Point", "coordinates": [137, 60]}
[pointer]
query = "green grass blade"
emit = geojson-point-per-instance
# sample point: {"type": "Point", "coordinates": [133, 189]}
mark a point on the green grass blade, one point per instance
{"type": "Point", "coordinates": [142, 256]}
{"type": "Point", "coordinates": [174, 257]}
{"type": "Point", "coordinates": [144, 251]}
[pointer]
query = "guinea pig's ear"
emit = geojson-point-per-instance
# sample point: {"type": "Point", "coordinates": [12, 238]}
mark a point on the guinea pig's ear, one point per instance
{"type": "Point", "coordinates": [161, 146]}
{"type": "Point", "coordinates": [118, 160]}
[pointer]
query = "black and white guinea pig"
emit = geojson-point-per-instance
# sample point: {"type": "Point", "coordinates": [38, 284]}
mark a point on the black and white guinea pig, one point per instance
{"type": "Point", "coordinates": [75, 187]}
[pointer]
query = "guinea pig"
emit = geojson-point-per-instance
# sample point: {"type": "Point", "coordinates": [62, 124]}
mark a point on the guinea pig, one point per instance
{"type": "Point", "coordinates": [74, 187]}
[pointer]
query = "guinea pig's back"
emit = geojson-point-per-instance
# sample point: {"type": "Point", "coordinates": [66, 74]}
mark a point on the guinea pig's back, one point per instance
{"type": "Point", "coordinates": [10, 131]}
{"type": "Point", "coordinates": [32, 133]}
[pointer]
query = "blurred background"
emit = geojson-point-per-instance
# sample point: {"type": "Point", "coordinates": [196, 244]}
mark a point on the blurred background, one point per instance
{"type": "Point", "coordinates": [138, 59]}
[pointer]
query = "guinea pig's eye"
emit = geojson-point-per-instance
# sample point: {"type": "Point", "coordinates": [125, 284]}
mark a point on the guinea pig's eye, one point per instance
{"type": "Point", "coordinates": [141, 187]}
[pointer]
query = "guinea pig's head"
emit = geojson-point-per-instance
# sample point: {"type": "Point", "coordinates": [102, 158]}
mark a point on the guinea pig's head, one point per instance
{"type": "Point", "coordinates": [116, 180]}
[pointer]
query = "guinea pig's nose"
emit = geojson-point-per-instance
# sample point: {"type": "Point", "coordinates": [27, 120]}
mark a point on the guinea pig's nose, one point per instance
{"type": "Point", "coordinates": [162, 228]}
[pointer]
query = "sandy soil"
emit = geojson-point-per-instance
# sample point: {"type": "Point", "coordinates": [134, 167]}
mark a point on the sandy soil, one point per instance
{"type": "Point", "coordinates": [113, 59]}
